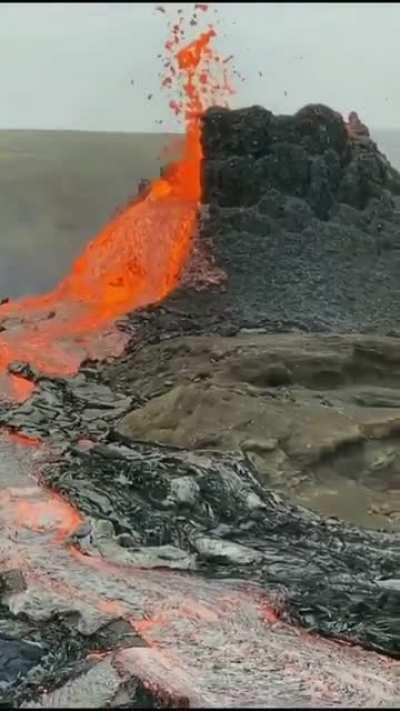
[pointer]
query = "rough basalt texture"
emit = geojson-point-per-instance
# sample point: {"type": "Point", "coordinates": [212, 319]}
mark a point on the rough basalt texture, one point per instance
{"type": "Point", "coordinates": [190, 580]}
{"type": "Point", "coordinates": [334, 578]}
{"type": "Point", "coordinates": [304, 218]}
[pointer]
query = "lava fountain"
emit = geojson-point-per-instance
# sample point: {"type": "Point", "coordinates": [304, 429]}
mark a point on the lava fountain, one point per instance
{"type": "Point", "coordinates": [137, 258]}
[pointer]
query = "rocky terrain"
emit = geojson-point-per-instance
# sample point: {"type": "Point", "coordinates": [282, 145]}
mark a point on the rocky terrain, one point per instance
{"type": "Point", "coordinates": [305, 219]}
{"type": "Point", "coordinates": [317, 416]}
{"type": "Point", "coordinates": [228, 472]}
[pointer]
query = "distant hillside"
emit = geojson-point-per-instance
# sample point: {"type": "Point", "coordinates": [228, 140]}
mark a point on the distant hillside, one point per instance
{"type": "Point", "coordinates": [57, 189]}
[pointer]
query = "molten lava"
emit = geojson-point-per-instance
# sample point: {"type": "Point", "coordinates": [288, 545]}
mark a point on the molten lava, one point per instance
{"type": "Point", "coordinates": [138, 257]}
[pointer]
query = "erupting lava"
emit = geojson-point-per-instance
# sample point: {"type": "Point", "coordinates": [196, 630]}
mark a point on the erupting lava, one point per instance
{"type": "Point", "coordinates": [138, 257]}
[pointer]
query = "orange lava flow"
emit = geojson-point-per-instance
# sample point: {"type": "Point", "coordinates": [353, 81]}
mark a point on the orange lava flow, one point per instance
{"type": "Point", "coordinates": [138, 257]}
{"type": "Point", "coordinates": [23, 439]}
{"type": "Point", "coordinates": [30, 507]}
{"type": "Point", "coordinates": [52, 514]}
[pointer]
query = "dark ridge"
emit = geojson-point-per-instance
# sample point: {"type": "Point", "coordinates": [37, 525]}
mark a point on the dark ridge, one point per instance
{"type": "Point", "coordinates": [304, 216]}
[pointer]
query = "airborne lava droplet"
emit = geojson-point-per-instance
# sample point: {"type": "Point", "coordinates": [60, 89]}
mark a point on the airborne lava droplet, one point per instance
{"type": "Point", "coordinates": [136, 259]}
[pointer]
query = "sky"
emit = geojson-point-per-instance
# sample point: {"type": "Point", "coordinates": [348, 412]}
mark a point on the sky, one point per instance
{"type": "Point", "coordinates": [70, 65]}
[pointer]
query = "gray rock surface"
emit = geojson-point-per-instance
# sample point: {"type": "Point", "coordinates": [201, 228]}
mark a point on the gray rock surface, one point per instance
{"type": "Point", "coordinates": [326, 432]}
{"type": "Point", "coordinates": [303, 218]}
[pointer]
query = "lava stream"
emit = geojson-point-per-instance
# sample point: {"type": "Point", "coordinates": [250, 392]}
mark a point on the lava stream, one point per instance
{"type": "Point", "coordinates": [137, 259]}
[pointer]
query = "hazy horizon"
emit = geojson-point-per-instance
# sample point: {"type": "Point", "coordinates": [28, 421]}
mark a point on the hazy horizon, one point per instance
{"type": "Point", "coordinates": [27, 129]}
{"type": "Point", "coordinates": [70, 66]}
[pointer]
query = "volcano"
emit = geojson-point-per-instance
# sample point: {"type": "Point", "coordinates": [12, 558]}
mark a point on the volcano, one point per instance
{"type": "Point", "coordinates": [223, 352]}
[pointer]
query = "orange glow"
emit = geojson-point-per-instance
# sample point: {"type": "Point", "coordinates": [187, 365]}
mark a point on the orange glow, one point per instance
{"type": "Point", "coordinates": [21, 388]}
{"type": "Point", "coordinates": [136, 259]}
{"type": "Point", "coordinates": [268, 613]}
{"type": "Point", "coordinates": [112, 607]}
{"type": "Point", "coordinates": [23, 439]}
{"type": "Point", "coordinates": [33, 508]}
{"type": "Point", "coordinates": [53, 514]}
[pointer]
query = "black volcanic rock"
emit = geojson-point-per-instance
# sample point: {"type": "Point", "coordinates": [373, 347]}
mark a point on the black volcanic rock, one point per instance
{"type": "Point", "coordinates": [335, 578]}
{"type": "Point", "coordinates": [304, 217]}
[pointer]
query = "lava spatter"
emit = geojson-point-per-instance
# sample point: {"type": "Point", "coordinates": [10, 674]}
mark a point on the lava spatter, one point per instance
{"type": "Point", "coordinates": [136, 259]}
